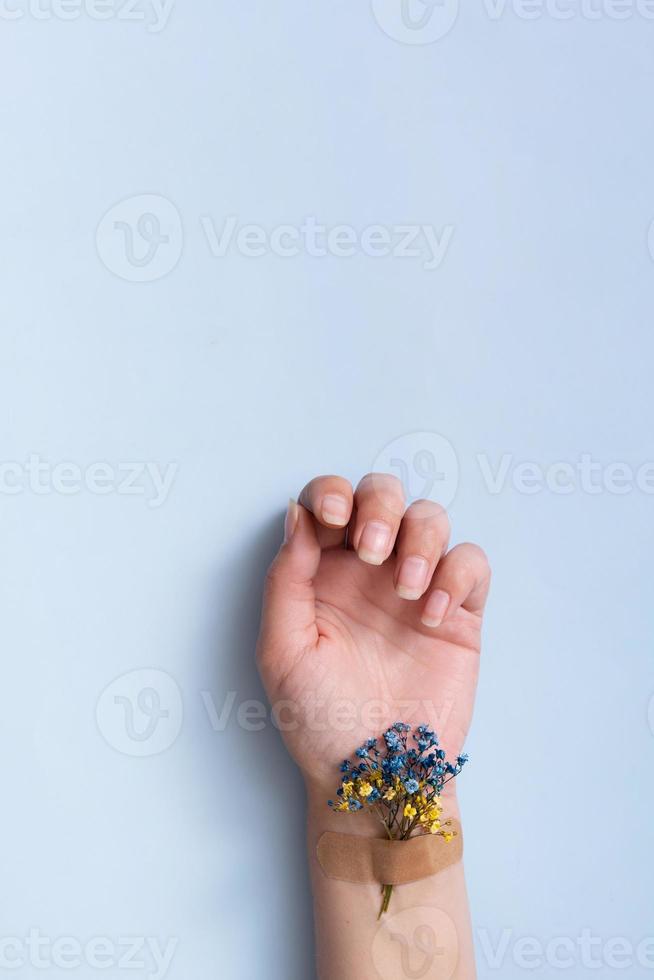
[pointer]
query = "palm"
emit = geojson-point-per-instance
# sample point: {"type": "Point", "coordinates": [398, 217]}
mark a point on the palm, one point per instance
{"type": "Point", "coordinates": [374, 663]}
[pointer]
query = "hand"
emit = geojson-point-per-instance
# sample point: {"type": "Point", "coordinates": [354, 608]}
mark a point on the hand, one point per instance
{"type": "Point", "coordinates": [368, 619]}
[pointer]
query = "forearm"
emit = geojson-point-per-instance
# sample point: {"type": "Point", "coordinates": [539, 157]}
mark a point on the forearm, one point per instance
{"type": "Point", "coordinates": [426, 931]}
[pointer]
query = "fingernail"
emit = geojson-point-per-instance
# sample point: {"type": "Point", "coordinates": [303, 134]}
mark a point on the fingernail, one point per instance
{"type": "Point", "coordinates": [374, 542]}
{"type": "Point", "coordinates": [412, 579]}
{"type": "Point", "coordinates": [335, 509]}
{"type": "Point", "coordinates": [435, 609]}
{"type": "Point", "coordinates": [290, 523]}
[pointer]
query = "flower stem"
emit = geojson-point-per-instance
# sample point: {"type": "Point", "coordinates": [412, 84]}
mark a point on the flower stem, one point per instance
{"type": "Point", "coordinates": [388, 891]}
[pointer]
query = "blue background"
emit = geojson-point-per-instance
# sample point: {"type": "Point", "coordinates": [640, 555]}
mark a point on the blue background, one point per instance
{"type": "Point", "coordinates": [533, 139]}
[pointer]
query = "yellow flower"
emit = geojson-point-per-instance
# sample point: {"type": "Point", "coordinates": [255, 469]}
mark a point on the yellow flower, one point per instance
{"type": "Point", "coordinates": [347, 789]}
{"type": "Point", "coordinates": [365, 789]}
{"type": "Point", "coordinates": [409, 811]}
{"type": "Point", "coordinates": [390, 794]}
{"type": "Point", "coordinates": [448, 837]}
{"type": "Point", "coordinates": [434, 827]}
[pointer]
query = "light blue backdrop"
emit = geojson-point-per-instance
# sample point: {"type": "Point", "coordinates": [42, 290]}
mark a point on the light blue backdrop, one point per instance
{"type": "Point", "coordinates": [208, 383]}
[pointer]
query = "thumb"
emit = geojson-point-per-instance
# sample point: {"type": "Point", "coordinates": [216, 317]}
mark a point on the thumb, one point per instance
{"type": "Point", "coordinates": [288, 625]}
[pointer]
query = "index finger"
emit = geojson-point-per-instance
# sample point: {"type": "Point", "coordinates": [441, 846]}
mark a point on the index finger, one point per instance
{"type": "Point", "coordinates": [330, 500]}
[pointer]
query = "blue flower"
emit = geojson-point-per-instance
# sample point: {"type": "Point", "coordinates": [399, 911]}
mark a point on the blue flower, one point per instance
{"type": "Point", "coordinates": [392, 740]}
{"type": "Point", "coordinates": [393, 765]}
{"type": "Point", "coordinates": [425, 765]}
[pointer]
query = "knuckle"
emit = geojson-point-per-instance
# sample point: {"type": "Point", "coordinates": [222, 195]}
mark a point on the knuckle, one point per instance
{"type": "Point", "coordinates": [317, 486]}
{"type": "Point", "coordinates": [477, 558]}
{"type": "Point", "coordinates": [430, 510]}
{"type": "Point", "coordinates": [332, 479]}
{"type": "Point", "coordinates": [460, 577]}
{"type": "Point", "coordinates": [385, 489]}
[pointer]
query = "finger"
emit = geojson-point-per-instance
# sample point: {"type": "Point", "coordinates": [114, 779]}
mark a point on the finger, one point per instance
{"type": "Point", "coordinates": [329, 499]}
{"type": "Point", "coordinates": [379, 500]}
{"type": "Point", "coordinates": [422, 540]}
{"type": "Point", "coordinates": [462, 579]}
{"type": "Point", "coordinates": [288, 625]}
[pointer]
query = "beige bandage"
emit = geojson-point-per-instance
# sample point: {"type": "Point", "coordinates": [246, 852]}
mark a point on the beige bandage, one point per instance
{"type": "Point", "coordinates": [389, 862]}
